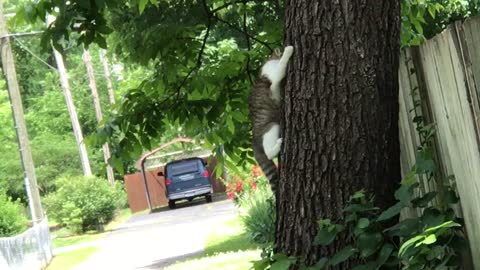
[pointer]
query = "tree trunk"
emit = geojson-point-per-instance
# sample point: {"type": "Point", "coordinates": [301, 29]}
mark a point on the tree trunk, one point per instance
{"type": "Point", "coordinates": [341, 116]}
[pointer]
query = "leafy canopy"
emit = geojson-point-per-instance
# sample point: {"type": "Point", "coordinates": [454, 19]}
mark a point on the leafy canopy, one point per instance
{"type": "Point", "coordinates": [203, 57]}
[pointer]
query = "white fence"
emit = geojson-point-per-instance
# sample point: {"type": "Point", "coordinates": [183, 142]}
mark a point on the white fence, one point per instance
{"type": "Point", "coordinates": [30, 250]}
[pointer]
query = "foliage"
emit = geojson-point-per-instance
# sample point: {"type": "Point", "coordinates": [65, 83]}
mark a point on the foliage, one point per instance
{"type": "Point", "coordinates": [81, 202]}
{"type": "Point", "coordinates": [53, 145]}
{"type": "Point", "coordinates": [257, 213]}
{"type": "Point", "coordinates": [425, 18]}
{"type": "Point", "coordinates": [12, 217]}
{"type": "Point", "coordinates": [434, 240]}
{"type": "Point", "coordinates": [202, 57]}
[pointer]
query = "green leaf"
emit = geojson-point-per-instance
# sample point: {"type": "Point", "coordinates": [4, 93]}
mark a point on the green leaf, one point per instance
{"type": "Point", "coordinates": [390, 212]}
{"type": "Point", "coordinates": [424, 200]}
{"type": "Point", "coordinates": [321, 263]}
{"type": "Point", "coordinates": [412, 241]}
{"type": "Point", "coordinates": [385, 253]}
{"type": "Point", "coordinates": [368, 266]}
{"type": "Point", "coordinates": [405, 193]}
{"type": "Point", "coordinates": [428, 240]}
{"type": "Point", "coordinates": [231, 125]}
{"type": "Point", "coordinates": [116, 163]}
{"type": "Point", "coordinates": [363, 223]}
{"type": "Point", "coordinates": [368, 244]}
{"type": "Point", "coordinates": [327, 233]}
{"type": "Point", "coordinates": [261, 264]}
{"type": "Point", "coordinates": [438, 230]}
{"type": "Point", "coordinates": [84, 3]}
{"type": "Point", "coordinates": [358, 195]}
{"type": "Point", "coordinates": [141, 5]}
{"type": "Point", "coordinates": [451, 197]}
{"type": "Point", "coordinates": [101, 42]}
{"type": "Point", "coordinates": [424, 162]}
{"type": "Point", "coordinates": [405, 228]}
{"type": "Point", "coordinates": [432, 217]}
{"type": "Point", "coordinates": [342, 255]}
{"type": "Point", "coordinates": [282, 262]}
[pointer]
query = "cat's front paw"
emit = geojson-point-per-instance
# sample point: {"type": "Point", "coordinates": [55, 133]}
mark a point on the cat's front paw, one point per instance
{"type": "Point", "coordinates": [275, 150]}
{"type": "Point", "coordinates": [288, 50]}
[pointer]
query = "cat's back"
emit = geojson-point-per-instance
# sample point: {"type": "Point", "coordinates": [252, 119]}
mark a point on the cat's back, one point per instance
{"type": "Point", "coordinates": [263, 108]}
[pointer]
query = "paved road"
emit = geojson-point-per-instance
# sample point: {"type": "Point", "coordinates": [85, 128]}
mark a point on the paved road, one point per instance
{"type": "Point", "coordinates": [153, 241]}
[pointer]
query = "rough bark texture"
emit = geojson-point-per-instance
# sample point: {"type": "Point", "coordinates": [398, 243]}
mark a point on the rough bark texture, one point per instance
{"type": "Point", "coordinates": [341, 115]}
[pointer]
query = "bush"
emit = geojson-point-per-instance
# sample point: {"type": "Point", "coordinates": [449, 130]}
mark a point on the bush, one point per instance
{"type": "Point", "coordinates": [257, 213]}
{"type": "Point", "coordinates": [120, 196]}
{"type": "Point", "coordinates": [246, 182]}
{"type": "Point", "coordinates": [82, 203]}
{"type": "Point", "coordinates": [12, 217]}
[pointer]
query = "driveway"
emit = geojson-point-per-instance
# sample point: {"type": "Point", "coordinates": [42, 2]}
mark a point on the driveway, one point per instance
{"type": "Point", "coordinates": [153, 241]}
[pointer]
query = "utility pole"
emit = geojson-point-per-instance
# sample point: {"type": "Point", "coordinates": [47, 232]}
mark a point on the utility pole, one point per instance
{"type": "Point", "coordinates": [87, 171]}
{"type": "Point", "coordinates": [108, 77]}
{"type": "Point", "coordinates": [10, 75]}
{"type": "Point", "coordinates": [87, 59]}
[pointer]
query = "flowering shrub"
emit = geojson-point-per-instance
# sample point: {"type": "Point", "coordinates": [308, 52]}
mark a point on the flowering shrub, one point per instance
{"type": "Point", "coordinates": [246, 183]}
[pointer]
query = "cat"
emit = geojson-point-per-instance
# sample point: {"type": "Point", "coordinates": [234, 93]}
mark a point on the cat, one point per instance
{"type": "Point", "coordinates": [265, 112]}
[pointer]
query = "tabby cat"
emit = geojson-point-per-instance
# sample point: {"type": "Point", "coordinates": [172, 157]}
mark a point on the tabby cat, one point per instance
{"type": "Point", "coordinates": [265, 112]}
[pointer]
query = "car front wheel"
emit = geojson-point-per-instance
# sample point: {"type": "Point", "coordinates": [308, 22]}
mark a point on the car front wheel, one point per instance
{"type": "Point", "coordinates": [171, 204]}
{"type": "Point", "coordinates": [209, 198]}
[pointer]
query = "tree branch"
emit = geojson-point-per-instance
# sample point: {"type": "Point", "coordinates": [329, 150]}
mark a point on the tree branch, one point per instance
{"type": "Point", "coordinates": [266, 44]}
{"type": "Point", "coordinates": [200, 53]}
{"type": "Point", "coordinates": [247, 38]}
{"type": "Point", "coordinates": [229, 4]}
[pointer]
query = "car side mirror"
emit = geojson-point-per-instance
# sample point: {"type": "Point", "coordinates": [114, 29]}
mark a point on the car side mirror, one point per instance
{"type": "Point", "coordinates": [160, 174]}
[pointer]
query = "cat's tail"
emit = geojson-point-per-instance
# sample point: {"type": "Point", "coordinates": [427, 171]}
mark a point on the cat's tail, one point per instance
{"type": "Point", "coordinates": [269, 169]}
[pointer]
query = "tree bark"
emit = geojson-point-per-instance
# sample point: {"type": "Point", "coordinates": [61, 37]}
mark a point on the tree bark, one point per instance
{"type": "Point", "coordinates": [341, 116]}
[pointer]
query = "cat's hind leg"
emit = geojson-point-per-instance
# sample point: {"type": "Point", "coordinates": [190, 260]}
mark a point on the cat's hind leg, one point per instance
{"type": "Point", "coordinates": [272, 142]}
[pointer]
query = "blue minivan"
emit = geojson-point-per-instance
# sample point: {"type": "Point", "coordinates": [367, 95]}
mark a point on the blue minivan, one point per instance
{"type": "Point", "coordinates": [186, 179]}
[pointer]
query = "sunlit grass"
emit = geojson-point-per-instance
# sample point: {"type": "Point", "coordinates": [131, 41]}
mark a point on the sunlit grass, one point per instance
{"type": "Point", "coordinates": [69, 260]}
{"type": "Point", "coordinates": [63, 237]}
{"type": "Point", "coordinates": [226, 248]}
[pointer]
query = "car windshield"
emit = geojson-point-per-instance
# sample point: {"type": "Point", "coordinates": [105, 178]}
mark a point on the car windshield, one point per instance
{"type": "Point", "coordinates": [183, 167]}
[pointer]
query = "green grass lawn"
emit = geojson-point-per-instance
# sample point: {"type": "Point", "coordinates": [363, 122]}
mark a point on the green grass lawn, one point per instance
{"type": "Point", "coordinates": [67, 261]}
{"type": "Point", "coordinates": [64, 237]}
{"type": "Point", "coordinates": [226, 248]}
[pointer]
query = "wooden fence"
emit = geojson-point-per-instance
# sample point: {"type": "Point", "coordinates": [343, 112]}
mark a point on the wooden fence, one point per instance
{"type": "Point", "coordinates": [443, 75]}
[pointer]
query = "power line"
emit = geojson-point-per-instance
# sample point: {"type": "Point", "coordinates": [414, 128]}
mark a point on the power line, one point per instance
{"type": "Point", "coordinates": [32, 53]}
{"type": "Point", "coordinates": [23, 34]}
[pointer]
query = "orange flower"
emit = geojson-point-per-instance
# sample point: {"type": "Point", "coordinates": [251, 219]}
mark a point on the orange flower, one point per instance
{"type": "Point", "coordinates": [239, 186]}
{"type": "Point", "coordinates": [256, 171]}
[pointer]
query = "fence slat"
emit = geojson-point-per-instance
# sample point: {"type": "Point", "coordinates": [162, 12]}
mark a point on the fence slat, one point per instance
{"type": "Point", "coordinates": [449, 68]}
